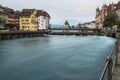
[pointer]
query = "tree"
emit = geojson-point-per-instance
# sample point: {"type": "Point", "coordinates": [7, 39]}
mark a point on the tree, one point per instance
{"type": "Point", "coordinates": [10, 26]}
{"type": "Point", "coordinates": [73, 26]}
{"type": "Point", "coordinates": [118, 23]}
{"type": "Point", "coordinates": [79, 25]}
{"type": "Point", "coordinates": [110, 19]}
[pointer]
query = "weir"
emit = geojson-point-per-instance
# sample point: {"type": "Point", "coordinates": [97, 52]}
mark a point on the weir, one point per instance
{"type": "Point", "coordinates": [20, 34]}
{"type": "Point", "coordinates": [54, 31]}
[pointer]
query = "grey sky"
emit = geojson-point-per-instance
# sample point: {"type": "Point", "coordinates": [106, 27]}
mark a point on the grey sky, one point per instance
{"type": "Point", "coordinates": [59, 10]}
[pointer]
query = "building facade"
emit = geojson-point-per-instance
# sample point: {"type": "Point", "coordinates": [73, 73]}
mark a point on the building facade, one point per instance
{"type": "Point", "coordinates": [28, 20]}
{"type": "Point", "coordinates": [90, 25]}
{"type": "Point", "coordinates": [3, 17]}
{"type": "Point", "coordinates": [11, 15]}
{"type": "Point", "coordinates": [100, 15]}
{"type": "Point", "coordinates": [43, 20]}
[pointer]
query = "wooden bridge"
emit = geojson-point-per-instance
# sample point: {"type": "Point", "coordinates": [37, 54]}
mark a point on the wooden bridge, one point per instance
{"type": "Point", "coordinates": [74, 31]}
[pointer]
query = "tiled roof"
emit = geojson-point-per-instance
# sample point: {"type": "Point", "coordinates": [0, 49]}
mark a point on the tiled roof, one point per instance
{"type": "Point", "coordinates": [42, 13]}
{"type": "Point", "coordinates": [27, 12]}
{"type": "Point", "coordinates": [66, 22]}
{"type": "Point", "coordinates": [39, 13]}
{"type": "Point", "coordinates": [9, 10]}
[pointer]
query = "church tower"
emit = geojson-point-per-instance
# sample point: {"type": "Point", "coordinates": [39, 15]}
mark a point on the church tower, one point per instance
{"type": "Point", "coordinates": [97, 11]}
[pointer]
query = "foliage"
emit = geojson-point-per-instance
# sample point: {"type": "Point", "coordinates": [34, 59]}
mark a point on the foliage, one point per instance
{"type": "Point", "coordinates": [79, 25]}
{"type": "Point", "coordinates": [10, 26]}
{"type": "Point", "coordinates": [118, 23]}
{"type": "Point", "coordinates": [73, 26]}
{"type": "Point", "coordinates": [110, 19]}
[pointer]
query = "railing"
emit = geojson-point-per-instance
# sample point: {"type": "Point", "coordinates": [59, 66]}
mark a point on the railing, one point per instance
{"type": "Point", "coordinates": [111, 61]}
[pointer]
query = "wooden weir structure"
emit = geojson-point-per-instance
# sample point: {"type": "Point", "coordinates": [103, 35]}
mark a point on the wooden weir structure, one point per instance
{"type": "Point", "coordinates": [21, 34]}
{"type": "Point", "coordinates": [53, 31]}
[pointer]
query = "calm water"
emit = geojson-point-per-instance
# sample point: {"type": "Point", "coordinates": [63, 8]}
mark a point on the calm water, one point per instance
{"type": "Point", "coordinates": [54, 58]}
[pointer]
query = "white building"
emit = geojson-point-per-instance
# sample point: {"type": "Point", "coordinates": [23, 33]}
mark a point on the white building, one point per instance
{"type": "Point", "coordinates": [90, 25]}
{"type": "Point", "coordinates": [43, 20]}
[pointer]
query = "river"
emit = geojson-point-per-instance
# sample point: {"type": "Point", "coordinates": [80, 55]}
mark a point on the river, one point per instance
{"type": "Point", "coordinates": [54, 57]}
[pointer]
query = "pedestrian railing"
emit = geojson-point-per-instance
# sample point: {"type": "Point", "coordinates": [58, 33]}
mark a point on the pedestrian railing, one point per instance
{"type": "Point", "coordinates": [111, 61]}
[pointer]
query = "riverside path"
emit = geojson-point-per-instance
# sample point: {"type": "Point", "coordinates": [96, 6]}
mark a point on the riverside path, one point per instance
{"type": "Point", "coordinates": [116, 74]}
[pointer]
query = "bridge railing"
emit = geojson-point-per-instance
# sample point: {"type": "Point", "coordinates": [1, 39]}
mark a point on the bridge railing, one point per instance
{"type": "Point", "coordinates": [111, 61]}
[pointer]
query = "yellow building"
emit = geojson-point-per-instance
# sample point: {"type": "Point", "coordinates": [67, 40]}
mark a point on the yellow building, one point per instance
{"type": "Point", "coordinates": [28, 20]}
{"type": "Point", "coordinates": [99, 19]}
{"type": "Point", "coordinates": [99, 22]}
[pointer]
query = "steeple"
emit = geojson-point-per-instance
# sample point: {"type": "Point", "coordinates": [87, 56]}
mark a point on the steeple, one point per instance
{"type": "Point", "coordinates": [97, 9]}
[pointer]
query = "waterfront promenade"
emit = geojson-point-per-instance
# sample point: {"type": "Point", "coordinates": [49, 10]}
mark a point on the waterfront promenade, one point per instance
{"type": "Point", "coordinates": [116, 74]}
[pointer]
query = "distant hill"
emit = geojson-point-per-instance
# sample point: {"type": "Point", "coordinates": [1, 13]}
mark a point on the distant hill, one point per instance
{"type": "Point", "coordinates": [57, 26]}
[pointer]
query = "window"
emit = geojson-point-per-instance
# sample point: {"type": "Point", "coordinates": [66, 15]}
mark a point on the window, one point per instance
{"type": "Point", "coordinates": [27, 17]}
{"type": "Point", "coordinates": [27, 20]}
{"type": "Point", "coordinates": [22, 20]}
{"type": "Point", "coordinates": [22, 26]}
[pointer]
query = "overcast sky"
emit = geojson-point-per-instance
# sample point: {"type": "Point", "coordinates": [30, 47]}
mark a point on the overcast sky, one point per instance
{"type": "Point", "coordinates": [59, 10]}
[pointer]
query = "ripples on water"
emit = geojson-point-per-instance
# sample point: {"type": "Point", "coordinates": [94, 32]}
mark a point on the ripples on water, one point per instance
{"type": "Point", "coordinates": [54, 58]}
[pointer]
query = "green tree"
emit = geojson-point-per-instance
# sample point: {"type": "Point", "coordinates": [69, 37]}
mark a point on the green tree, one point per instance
{"type": "Point", "coordinates": [79, 25]}
{"type": "Point", "coordinates": [73, 26]}
{"type": "Point", "coordinates": [110, 19]}
{"type": "Point", "coordinates": [10, 26]}
{"type": "Point", "coordinates": [118, 23]}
